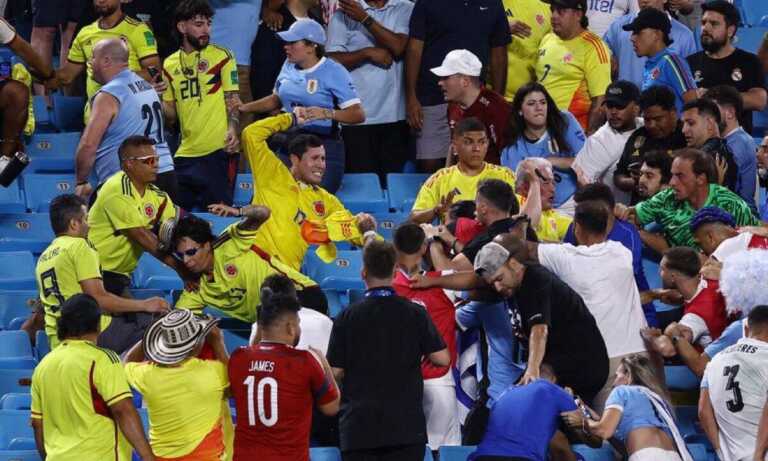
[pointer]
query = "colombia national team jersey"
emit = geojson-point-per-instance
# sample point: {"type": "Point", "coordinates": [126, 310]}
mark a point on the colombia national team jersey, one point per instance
{"type": "Point", "coordinates": [522, 52]}
{"type": "Point", "coordinates": [197, 82]}
{"type": "Point", "coordinates": [275, 388]}
{"type": "Point", "coordinates": [574, 71]}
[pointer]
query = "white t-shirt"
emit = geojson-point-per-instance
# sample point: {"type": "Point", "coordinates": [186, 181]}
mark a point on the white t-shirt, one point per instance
{"type": "Point", "coordinates": [7, 32]}
{"type": "Point", "coordinates": [602, 275]}
{"type": "Point", "coordinates": [315, 330]}
{"type": "Point", "coordinates": [602, 13]}
{"type": "Point", "coordinates": [737, 379]}
{"type": "Point", "coordinates": [732, 246]}
{"type": "Point", "coordinates": [600, 154]}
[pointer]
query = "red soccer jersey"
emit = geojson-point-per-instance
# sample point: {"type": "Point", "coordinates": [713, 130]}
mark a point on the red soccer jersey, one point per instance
{"type": "Point", "coordinates": [758, 242]}
{"type": "Point", "coordinates": [493, 110]}
{"type": "Point", "coordinates": [709, 304]}
{"type": "Point", "coordinates": [442, 312]}
{"type": "Point", "coordinates": [275, 387]}
{"type": "Point", "coordinates": [467, 229]}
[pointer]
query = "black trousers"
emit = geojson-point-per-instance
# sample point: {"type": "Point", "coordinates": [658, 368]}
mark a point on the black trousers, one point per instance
{"type": "Point", "coordinates": [206, 180]}
{"type": "Point", "coordinates": [379, 149]}
{"type": "Point", "coordinates": [397, 453]}
{"type": "Point", "coordinates": [126, 329]}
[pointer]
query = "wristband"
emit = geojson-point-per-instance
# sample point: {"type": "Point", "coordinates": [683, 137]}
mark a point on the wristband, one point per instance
{"type": "Point", "coordinates": [81, 183]}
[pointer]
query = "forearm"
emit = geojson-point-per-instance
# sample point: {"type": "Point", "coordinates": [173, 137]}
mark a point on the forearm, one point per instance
{"type": "Point", "coordinates": [219, 348]}
{"type": "Point", "coordinates": [561, 163]}
{"type": "Point", "coordinates": [260, 106]}
{"type": "Point", "coordinates": [69, 72]}
{"type": "Point", "coordinates": [37, 66]}
{"type": "Point", "coordinates": [116, 305]}
{"type": "Point", "coordinates": [412, 65]}
{"type": "Point", "coordinates": [135, 353]}
{"type": "Point", "coordinates": [624, 182]}
{"type": "Point", "coordinates": [351, 115]}
{"type": "Point", "coordinates": [84, 160]}
{"type": "Point", "coordinates": [233, 113]}
{"type": "Point", "coordinates": [130, 425]}
{"type": "Point", "coordinates": [440, 261]}
{"type": "Point", "coordinates": [169, 112]}
{"type": "Point", "coordinates": [352, 59]}
{"type": "Point", "coordinates": [707, 421]}
{"type": "Point", "coordinates": [423, 216]}
{"type": "Point", "coordinates": [537, 346]}
{"type": "Point", "coordinates": [385, 38]}
{"type": "Point", "coordinates": [532, 206]}
{"type": "Point", "coordinates": [272, 5]}
{"type": "Point", "coordinates": [498, 69]}
{"type": "Point", "coordinates": [690, 356]}
{"type": "Point", "coordinates": [596, 115]}
{"type": "Point", "coordinates": [656, 242]}
{"type": "Point", "coordinates": [37, 426]}
{"type": "Point", "coordinates": [755, 99]}
{"type": "Point", "coordinates": [465, 280]}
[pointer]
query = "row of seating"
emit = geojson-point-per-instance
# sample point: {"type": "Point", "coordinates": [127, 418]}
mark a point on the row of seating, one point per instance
{"type": "Point", "coordinates": [753, 12]}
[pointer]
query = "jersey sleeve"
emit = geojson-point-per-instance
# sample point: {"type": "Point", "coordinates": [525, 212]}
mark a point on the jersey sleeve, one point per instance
{"type": "Point", "coordinates": [110, 380]}
{"type": "Point", "coordinates": [342, 87]}
{"type": "Point", "coordinates": [134, 373]}
{"type": "Point", "coordinates": [262, 160]}
{"type": "Point", "coordinates": [229, 78]}
{"type": "Point", "coordinates": [122, 213]}
{"type": "Point", "coordinates": [597, 68]}
{"type": "Point", "coordinates": [540, 312]}
{"type": "Point", "coordinates": [76, 51]}
{"type": "Point", "coordinates": [467, 316]}
{"type": "Point", "coordinates": [143, 41]}
{"type": "Point", "coordinates": [169, 95]}
{"type": "Point", "coordinates": [634, 6]}
{"type": "Point", "coordinates": [617, 399]}
{"type": "Point", "coordinates": [36, 407]}
{"type": "Point", "coordinates": [86, 261]}
{"type": "Point", "coordinates": [649, 210]}
{"type": "Point", "coordinates": [611, 37]}
{"type": "Point", "coordinates": [402, 25]}
{"type": "Point", "coordinates": [323, 390]}
{"type": "Point", "coordinates": [753, 76]}
{"type": "Point", "coordinates": [687, 46]}
{"type": "Point", "coordinates": [678, 74]}
{"type": "Point", "coordinates": [427, 197]}
{"type": "Point", "coordinates": [553, 257]}
{"type": "Point", "coordinates": [622, 167]}
{"type": "Point", "coordinates": [697, 323]}
{"type": "Point", "coordinates": [337, 34]}
{"type": "Point", "coordinates": [332, 203]}
{"type": "Point", "coordinates": [729, 337]}
{"type": "Point", "coordinates": [574, 136]}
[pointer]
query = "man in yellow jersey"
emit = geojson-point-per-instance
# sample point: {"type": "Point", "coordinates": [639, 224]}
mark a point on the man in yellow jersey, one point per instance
{"type": "Point", "coordinates": [574, 64]}
{"type": "Point", "coordinates": [459, 182]}
{"type": "Point", "coordinates": [186, 425]}
{"type": "Point", "coordinates": [112, 23]}
{"type": "Point", "coordinates": [203, 96]}
{"type": "Point", "coordinates": [70, 265]}
{"type": "Point", "coordinates": [536, 193]}
{"type": "Point", "coordinates": [529, 22]}
{"type": "Point", "coordinates": [294, 196]}
{"type": "Point", "coordinates": [82, 407]}
{"type": "Point", "coordinates": [233, 266]}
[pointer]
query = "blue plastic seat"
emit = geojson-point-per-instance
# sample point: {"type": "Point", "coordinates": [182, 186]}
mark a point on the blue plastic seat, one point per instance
{"type": "Point", "coordinates": [68, 112]}
{"type": "Point", "coordinates": [40, 189]}
{"type": "Point", "coordinates": [388, 222]}
{"type": "Point", "coordinates": [760, 125]}
{"type": "Point", "coordinates": [688, 420]}
{"type": "Point", "coordinates": [565, 187]}
{"type": "Point", "coordinates": [16, 401]}
{"type": "Point", "coordinates": [25, 232]}
{"type": "Point", "coordinates": [604, 453]}
{"type": "Point", "coordinates": [151, 273]}
{"type": "Point", "coordinates": [681, 378]}
{"type": "Point", "coordinates": [218, 223]}
{"type": "Point", "coordinates": [16, 350]}
{"type": "Point", "coordinates": [362, 192]}
{"type": "Point", "coordinates": [42, 346]}
{"type": "Point", "coordinates": [403, 188]}
{"type": "Point", "coordinates": [14, 424]}
{"type": "Point", "coordinates": [52, 152]}
{"type": "Point", "coordinates": [459, 453]}
{"type": "Point", "coordinates": [42, 113]}
{"type": "Point", "coordinates": [324, 454]}
{"type": "Point", "coordinates": [750, 38]}
{"type": "Point", "coordinates": [19, 455]}
{"type": "Point", "coordinates": [15, 303]}
{"type": "Point", "coordinates": [243, 189]}
{"type": "Point", "coordinates": [753, 11]}
{"type": "Point", "coordinates": [17, 271]}
{"type": "Point", "coordinates": [698, 451]}
{"type": "Point", "coordinates": [343, 273]}
{"type": "Point", "coordinates": [15, 380]}
{"type": "Point", "coordinates": [11, 199]}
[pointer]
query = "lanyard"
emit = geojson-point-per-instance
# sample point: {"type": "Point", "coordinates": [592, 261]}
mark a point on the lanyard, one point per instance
{"type": "Point", "coordinates": [380, 292]}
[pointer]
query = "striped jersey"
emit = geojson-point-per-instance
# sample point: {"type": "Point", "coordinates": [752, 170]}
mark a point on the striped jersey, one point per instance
{"type": "Point", "coordinates": [668, 69]}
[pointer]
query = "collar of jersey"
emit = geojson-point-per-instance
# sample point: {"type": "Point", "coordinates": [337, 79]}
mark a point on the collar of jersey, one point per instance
{"type": "Point", "coordinates": [305, 186]}
{"type": "Point", "coordinates": [311, 69]}
{"type": "Point", "coordinates": [658, 56]}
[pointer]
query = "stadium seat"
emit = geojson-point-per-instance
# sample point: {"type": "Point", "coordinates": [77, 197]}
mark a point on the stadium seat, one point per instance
{"type": "Point", "coordinates": [52, 152]}
{"type": "Point", "coordinates": [343, 273]}
{"type": "Point", "coordinates": [388, 222]}
{"type": "Point", "coordinates": [604, 453]}
{"type": "Point", "coordinates": [428, 454]}
{"type": "Point", "coordinates": [19, 455]}
{"type": "Point", "coordinates": [324, 454]}
{"type": "Point", "coordinates": [233, 340]}
{"type": "Point", "coordinates": [15, 381]}
{"type": "Point", "coordinates": [403, 188]}
{"type": "Point", "coordinates": [361, 192]}
{"type": "Point", "coordinates": [565, 187]}
{"type": "Point", "coordinates": [680, 378]}
{"type": "Point", "coordinates": [459, 453]}
{"type": "Point", "coordinates": [14, 424]}
{"type": "Point", "coordinates": [68, 112]}
{"type": "Point", "coordinates": [15, 303]}
{"type": "Point", "coordinates": [11, 199]}
{"type": "Point", "coordinates": [760, 125]}
{"type": "Point", "coordinates": [17, 272]}
{"type": "Point", "coordinates": [40, 189]}
{"type": "Point", "coordinates": [753, 11]}
{"type": "Point", "coordinates": [42, 346]}
{"type": "Point", "coordinates": [688, 420]}
{"type": "Point", "coordinates": [16, 401]}
{"type": "Point", "coordinates": [16, 350]}
{"type": "Point", "coordinates": [218, 223]}
{"type": "Point", "coordinates": [25, 232]}
{"type": "Point", "coordinates": [698, 451]}
{"type": "Point", "coordinates": [43, 118]}
{"type": "Point", "coordinates": [749, 38]}
{"type": "Point", "coordinates": [151, 273]}
{"type": "Point", "coordinates": [243, 189]}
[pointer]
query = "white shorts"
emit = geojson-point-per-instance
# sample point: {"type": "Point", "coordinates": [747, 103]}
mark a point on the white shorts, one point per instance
{"type": "Point", "coordinates": [434, 139]}
{"type": "Point", "coordinates": [442, 414]}
{"type": "Point", "coordinates": [655, 454]}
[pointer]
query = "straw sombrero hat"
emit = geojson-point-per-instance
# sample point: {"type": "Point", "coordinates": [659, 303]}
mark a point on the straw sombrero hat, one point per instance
{"type": "Point", "coordinates": [173, 337]}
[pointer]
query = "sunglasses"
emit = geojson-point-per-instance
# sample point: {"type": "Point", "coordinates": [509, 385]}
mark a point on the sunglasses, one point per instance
{"type": "Point", "coordinates": [146, 160]}
{"type": "Point", "coordinates": [191, 252]}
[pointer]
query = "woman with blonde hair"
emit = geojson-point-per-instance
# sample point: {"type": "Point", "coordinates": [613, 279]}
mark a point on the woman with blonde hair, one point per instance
{"type": "Point", "coordinates": [638, 413]}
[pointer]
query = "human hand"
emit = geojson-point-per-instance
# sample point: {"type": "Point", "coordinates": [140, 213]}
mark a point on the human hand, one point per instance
{"type": "Point", "coordinates": [155, 305]}
{"type": "Point", "coordinates": [529, 376]}
{"type": "Point", "coordinates": [669, 296]}
{"type": "Point", "coordinates": [317, 113]}
{"type": "Point", "coordinates": [379, 56]}
{"type": "Point", "coordinates": [444, 234]}
{"type": "Point", "coordinates": [711, 269]}
{"type": "Point", "coordinates": [352, 9]}
{"type": "Point", "coordinates": [365, 222]}
{"type": "Point", "coordinates": [214, 335]}
{"type": "Point", "coordinates": [445, 204]}
{"type": "Point", "coordinates": [519, 28]}
{"type": "Point", "coordinates": [84, 190]}
{"type": "Point", "coordinates": [272, 19]}
{"type": "Point", "coordinates": [160, 86]}
{"type": "Point", "coordinates": [722, 168]}
{"type": "Point", "coordinates": [430, 231]}
{"type": "Point", "coordinates": [232, 141]}
{"type": "Point", "coordinates": [301, 115]}
{"type": "Point", "coordinates": [421, 281]}
{"type": "Point", "coordinates": [573, 419]}
{"type": "Point", "coordinates": [414, 112]}
{"type": "Point", "coordinates": [220, 209]}
{"type": "Point", "coordinates": [192, 285]}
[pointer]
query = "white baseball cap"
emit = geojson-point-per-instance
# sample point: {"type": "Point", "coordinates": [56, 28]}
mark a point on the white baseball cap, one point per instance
{"type": "Point", "coordinates": [459, 62]}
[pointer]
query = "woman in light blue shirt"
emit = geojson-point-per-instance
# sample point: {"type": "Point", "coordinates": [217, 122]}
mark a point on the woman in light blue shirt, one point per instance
{"type": "Point", "coordinates": [538, 129]}
{"type": "Point", "coordinates": [322, 87]}
{"type": "Point", "coordinates": [638, 413]}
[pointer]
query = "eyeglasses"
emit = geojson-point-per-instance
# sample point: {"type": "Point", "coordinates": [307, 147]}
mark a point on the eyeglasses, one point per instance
{"type": "Point", "coordinates": [180, 254]}
{"type": "Point", "coordinates": [146, 160]}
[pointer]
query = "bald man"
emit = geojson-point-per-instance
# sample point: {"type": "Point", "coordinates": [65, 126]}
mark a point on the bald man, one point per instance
{"type": "Point", "coordinates": [126, 105]}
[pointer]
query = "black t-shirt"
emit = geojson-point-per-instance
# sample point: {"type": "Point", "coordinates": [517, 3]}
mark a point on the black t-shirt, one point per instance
{"type": "Point", "coordinates": [575, 346]}
{"type": "Point", "coordinates": [741, 70]}
{"type": "Point", "coordinates": [379, 342]}
{"type": "Point", "coordinates": [501, 226]}
{"type": "Point", "coordinates": [718, 148]}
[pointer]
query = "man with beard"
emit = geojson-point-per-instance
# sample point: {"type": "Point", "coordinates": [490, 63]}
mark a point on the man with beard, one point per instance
{"type": "Point", "coordinates": [655, 174]}
{"type": "Point", "coordinates": [203, 97]}
{"type": "Point", "coordinates": [721, 63]}
{"type": "Point", "coordinates": [112, 23]}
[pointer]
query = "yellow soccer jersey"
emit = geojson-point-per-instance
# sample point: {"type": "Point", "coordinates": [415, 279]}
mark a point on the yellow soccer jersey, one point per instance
{"type": "Point", "coordinates": [119, 206]}
{"type": "Point", "coordinates": [72, 389]}
{"type": "Point", "coordinates": [291, 202]}
{"type": "Point", "coordinates": [574, 71]}
{"type": "Point", "coordinates": [21, 74]}
{"type": "Point", "coordinates": [63, 265]}
{"type": "Point", "coordinates": [197, 82]}
{"type": "Point", "coordinates": [448, 179]}
{"type": "Point", "coordinates": [239, 268]}
{"type": "Point", "coordinates": [522, 52]}
{"type": "Point", "coordinates": [553, 226]}
{"type": "Point", "coordinates": [136, 34]}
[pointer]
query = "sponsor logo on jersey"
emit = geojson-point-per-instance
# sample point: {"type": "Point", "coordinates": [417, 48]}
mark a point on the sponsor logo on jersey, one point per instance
{"type": "Point", "coordinates": [300, 217]}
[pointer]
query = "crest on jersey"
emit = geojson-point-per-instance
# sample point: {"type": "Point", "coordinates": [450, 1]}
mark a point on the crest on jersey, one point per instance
{"type": "Point", "coordinates": [568, 58]}
{"type": "Point", "coordinates": [149, 210]}
{"type": "Point", "coordinates": [736, 75]}
{"type": "Point", "coordinates": [202, 66]}
{"type": "Point", "coordinates": [697, 76]}
{"type": "Point", "coordinates": [319, 207]}
{"type": "Point", "coordinates": [311, 86]}
{"type": "Point", "coordinates": [540, 19]}
{"type": "Point", "coordinates": [230, 269]}
{"type": "Point", "coordinates": [655, 73]}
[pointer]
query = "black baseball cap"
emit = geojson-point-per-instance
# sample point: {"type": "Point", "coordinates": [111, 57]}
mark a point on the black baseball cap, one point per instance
{"type": "Point", "coordinates": [621, 93]}
{"type": "Point", "coordinates": [729, 12]}
{"type": "Point", "coordinates": [650, 18]}
{"type": "Point", "coordinates": [573, 4]}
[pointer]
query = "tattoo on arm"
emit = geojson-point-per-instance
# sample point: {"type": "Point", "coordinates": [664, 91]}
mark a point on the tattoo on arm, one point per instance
{"type": "Point", "coordinates": [232, 99]}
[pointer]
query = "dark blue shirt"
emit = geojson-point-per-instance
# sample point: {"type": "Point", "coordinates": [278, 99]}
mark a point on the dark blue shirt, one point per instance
{"type": "Point", "coordinates": [447, 25]}
{"type": "Point", "coordinates": [523, 421]}
{"type": "Point", "coordinates": [627, 234]}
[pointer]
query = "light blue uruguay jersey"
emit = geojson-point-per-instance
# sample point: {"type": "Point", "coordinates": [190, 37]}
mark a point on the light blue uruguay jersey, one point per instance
{"type": "Point", "coordinates": [140, 113]}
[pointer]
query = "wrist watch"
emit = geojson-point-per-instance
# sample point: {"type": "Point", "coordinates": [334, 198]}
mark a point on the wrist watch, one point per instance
{"type": "Point", "coordinates": [367, 22]}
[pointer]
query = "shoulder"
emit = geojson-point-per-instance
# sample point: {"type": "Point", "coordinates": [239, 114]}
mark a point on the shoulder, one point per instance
{"type": "Point", "coordinates": [696, 57]}
{"type": "Point", "coordinates": [88, 30]}
{"type": "Point", "coordinates": [332, 66]}
{"type": "Point", "coordinates": [497, 170]}
{"type": "Point", "coordinates": [173, 59]}
{"type": "Point", "coordinates": [593, 42]}
{"type": "Point", "coordinates": [104, 356]}
{"type": "Point", "coordinates": [440, 175]}
{"type": "Point", "coordinates": [117, 184]}
{"type": "Point", "coordinates": [218, 52]}
{"type": "Point", "coordinates": [402, 6]}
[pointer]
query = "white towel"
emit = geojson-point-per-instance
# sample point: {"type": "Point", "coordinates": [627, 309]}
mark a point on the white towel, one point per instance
{"type": "Point", "coordinates": [661, 408]}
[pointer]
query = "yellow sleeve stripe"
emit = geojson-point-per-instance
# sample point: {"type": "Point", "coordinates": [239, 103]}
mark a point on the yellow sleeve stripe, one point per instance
{"type": "Point", "coordinates": [119, 397]}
